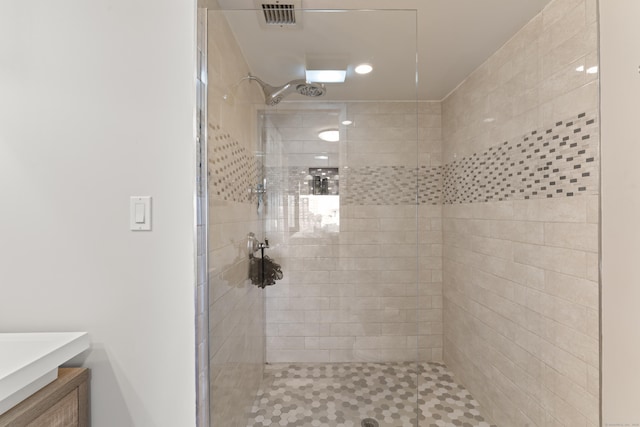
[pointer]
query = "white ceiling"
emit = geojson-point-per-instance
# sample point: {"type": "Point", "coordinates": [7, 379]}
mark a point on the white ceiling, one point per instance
{"type": "Point", "coordinates": [451, 39]}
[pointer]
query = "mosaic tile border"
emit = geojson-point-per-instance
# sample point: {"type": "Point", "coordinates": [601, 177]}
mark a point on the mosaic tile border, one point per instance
{"type": "Point", "coordinates": [343, 394]}
{"type": "Point", "coordinates": [382, 185]}
{"type": "Point", "coordinates": [233, 170]}
{"type": "Point", "coordinates": [556, 161]}
{"type": "Point", "coordinates": [392, 185]}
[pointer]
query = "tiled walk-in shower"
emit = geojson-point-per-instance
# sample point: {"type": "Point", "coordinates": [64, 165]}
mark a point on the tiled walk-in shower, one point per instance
{"type": "Point", "coordinates": [440, 255]}
{"type": "Point", "coordinates": [345, 394]}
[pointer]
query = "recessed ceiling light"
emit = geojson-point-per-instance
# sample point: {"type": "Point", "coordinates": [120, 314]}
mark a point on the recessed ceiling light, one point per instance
{"type": "Point", "coordinates": [347, 122]}
{"type": "Point", "coordinates": [364, 69]}
{"type": "Point", "coordinates": [330, 135]}
{"type": "Point", "coordinates": [326, 76]}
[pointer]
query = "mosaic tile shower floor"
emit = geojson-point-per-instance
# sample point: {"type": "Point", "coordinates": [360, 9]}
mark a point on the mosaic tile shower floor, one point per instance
{"type": "Point", "coordinates": [342, 395]}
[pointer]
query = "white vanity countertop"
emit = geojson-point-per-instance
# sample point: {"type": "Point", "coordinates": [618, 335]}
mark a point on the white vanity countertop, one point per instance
{"type": "Point", "coordinates": [30, 361]}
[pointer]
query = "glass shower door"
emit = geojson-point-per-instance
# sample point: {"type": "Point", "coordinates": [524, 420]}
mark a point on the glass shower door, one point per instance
{"type": "Point", "coordinates": [348, 329]}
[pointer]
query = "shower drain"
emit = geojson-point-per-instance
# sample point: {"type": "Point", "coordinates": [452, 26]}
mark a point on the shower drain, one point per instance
{"type": "Point", "coordinates": [369, 422]}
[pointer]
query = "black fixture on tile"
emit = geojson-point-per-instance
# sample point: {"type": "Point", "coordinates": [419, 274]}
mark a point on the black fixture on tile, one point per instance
{"type": "Point", "coordinates": [324, 181]}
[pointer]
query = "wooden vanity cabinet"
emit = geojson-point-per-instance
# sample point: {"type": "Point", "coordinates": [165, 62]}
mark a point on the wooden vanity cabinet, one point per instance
{"type": "Point", "coordinates": [63, 403]}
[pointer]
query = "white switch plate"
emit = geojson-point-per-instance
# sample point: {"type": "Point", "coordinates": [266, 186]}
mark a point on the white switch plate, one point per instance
{"type": "Point", "coordinates": [140, 213]}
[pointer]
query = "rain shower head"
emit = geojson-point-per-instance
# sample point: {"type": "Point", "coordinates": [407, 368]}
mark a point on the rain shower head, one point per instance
{"type": "Point", "coordinates": [273, 95]}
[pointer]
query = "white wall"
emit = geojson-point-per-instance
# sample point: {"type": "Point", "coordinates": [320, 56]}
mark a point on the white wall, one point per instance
{"type": "Point", "coordinates": [96, 105]}
{"type": "Point", "coordinates": [620, 80]}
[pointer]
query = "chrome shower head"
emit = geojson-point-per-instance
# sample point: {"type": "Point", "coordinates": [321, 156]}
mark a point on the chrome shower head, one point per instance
{"type": "Point", "coordinates": [273, 95]}
{"type": "Point", "coordinates": [310, 89]}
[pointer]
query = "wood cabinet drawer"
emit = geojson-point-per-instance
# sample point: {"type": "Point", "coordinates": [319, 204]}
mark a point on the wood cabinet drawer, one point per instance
{"type": "Point", "coordinates": [63, 403]}
{"type": "Point", "coordinates": [62, 414]}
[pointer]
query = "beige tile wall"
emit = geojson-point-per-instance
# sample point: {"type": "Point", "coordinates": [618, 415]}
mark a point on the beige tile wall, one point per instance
{"type": "Point", "coordinates": [236, 307]}
{"type": "Point", "coordinates": [521, 276]}
{"type": "Point", "coordinates": [531, 82]}
{"type": "Point", "coordinates": [372, 291]}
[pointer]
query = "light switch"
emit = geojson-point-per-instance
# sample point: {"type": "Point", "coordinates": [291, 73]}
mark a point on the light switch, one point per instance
{"type": "Point", "coordinates": [140, 213]}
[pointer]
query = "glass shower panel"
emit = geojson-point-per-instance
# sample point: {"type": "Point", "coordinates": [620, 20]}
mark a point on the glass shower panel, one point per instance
{"type": "Point", "coordinates": [343, 333]}
{"type": "Point", "coordinates": [341, 217]}
{"type": "Point", "coordinates": [236, 306]}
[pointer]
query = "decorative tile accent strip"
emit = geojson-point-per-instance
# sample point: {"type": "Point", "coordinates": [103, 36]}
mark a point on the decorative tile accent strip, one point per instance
{"type": "Point", "coordinates": [558, 161]}
{"type": "Point", "coordinates": [233, 171]}
{"type": "Point", "coordinates": [391, 185]}
{"type": "Point", "coordinates": [382, 185]}
{"type": "Point", "coordinates": [430, 185]}
{"type": "Point", "coordinates": [343, 394]}
{"type": "Point", "coordinates": [291, 180]}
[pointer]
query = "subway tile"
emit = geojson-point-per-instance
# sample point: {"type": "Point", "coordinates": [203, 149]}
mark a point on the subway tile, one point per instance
{"type": "Point", "coordinates": [380, 290]}
{"type": "Point", "coordinates": [298, 329]}
{"type": "Point", "coordinates": [569, 209]}
{"type": "Point", "coordinates": [318, 264]}
{"type": "Point", "coordinates": [593, 381]}
{"type": "Point", "coordinates": [572, 236]}
{"type": "Point", "coordinates": [366, 303]}
{"type": "Point", "coordinates": [561, 260]}
{"type": "Point", "coordinates": [578, 100]}
{"type": "Point", "coordinates": [566, 79]}
{"type": "Point", "coordinates": [518, 231]}
{"type": "Point", "coordinates": [286, 343]}
{"type": "Point", "coordinates": [559, 413]}
{"type": "Point", "coordinates": [561, 21]}
{"type": "Point", "coordinates": [493, 230]}
{"type": "Point", "coordinates": [593, 267]}
{"type": "Point", "coordinates": [403, 355]}
{"type": "Point", "coordinates": [299, 356]}
{"type": "Point", "coordinates": [578, 290]}
{"type": "Point", "coordinates": [593, 209]}
{"type": "Point", "coordinates": [556, 10]}
{"type": "Point", "coordinates": [383, 315]}
{"type": "Point", "coordinates": [382, 119]}
{"type": "Point", "coordinates": [494, 247]}
{"type": "Point", "coordinates": [388, 224]}
{"type": "Point", "coordinates": [593, 324]}
{"type": "Point", "coordinates": [579, 400]}
{"type": "Point", "coordinates": [566, 53]}
{"type": "Point", "coordinates": [530, 83]}
{"type": "Point", "coordinates": [355, 329]}
{"type": "Point", "coordinates": [409, 107]}
{"type": "Point", "coordinates": [362, 108]}
{"type": "Point", "coordinates": [492, 210]}
{"type": "Point", "coordinates": [379, 342]}
{"type": "Point", "coordinates": [330, 343]}
{"type": "Point", "coordinates": [285, 316]}
{"type": "Point", "coordinates": [380, 149]}
{"type": "Point", "coordinates": [591, 11]}
{"type": "Point", "coordinates": [559, 310]}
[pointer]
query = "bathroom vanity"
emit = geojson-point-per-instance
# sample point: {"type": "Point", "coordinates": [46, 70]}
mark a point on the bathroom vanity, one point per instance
{"type": "Point", "coordinates": [62, 403]}
{"type": "Point", "coordinates": [34, 392]}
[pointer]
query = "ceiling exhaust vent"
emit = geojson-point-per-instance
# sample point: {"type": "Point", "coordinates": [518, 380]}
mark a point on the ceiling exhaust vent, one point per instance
{"type": "Point", "coordinates": [277, 14]}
